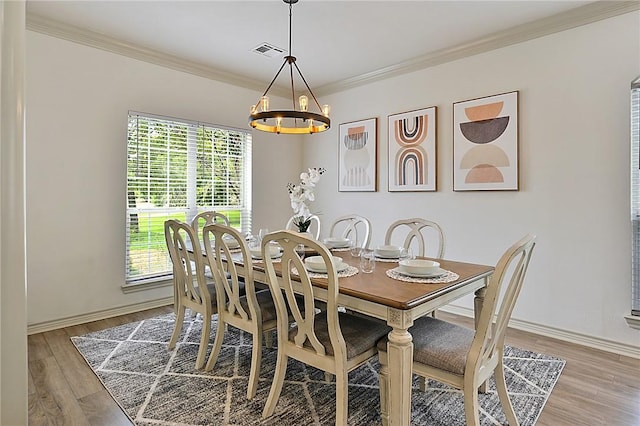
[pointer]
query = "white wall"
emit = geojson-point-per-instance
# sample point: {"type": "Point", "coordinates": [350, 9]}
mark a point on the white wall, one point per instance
{"type": "Point", "coordinates": [574, 170]}
{"type": "Point", "coordinates": [78, 100]}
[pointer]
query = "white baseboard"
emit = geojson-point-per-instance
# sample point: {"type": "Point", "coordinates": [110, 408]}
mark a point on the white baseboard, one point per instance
{"type": "Point", "coordinates": [95, 316]}
{"type": "Point", "coordinates": [556, 333]}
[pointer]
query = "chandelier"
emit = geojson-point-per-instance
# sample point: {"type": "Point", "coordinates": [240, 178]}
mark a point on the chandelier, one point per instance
{"type": "Point", "coordinates": [293, 121]}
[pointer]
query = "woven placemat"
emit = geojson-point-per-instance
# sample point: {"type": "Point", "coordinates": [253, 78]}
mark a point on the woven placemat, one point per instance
{"type": "Point", "coordinates": [348, 272]}
{"type": "Point", "coordinates": [447, 277]}
{"type": "Point", "coordinates": [340, 249]}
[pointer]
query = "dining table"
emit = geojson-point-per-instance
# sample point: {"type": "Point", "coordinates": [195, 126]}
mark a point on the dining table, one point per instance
{"type": "Point", "coordinates": [399, 303]}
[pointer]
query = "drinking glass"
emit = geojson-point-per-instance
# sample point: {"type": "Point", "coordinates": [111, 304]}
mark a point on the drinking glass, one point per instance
{"type": "Point", "coordinates": [406, 253]}
{"type": "Point", "coordinates": [354, 248]}
{"type": "Point", "coordinates": [300, 249]}
{"type": "Point", "coordinates": [261, 234]}
{"type": "Point", "coordinates": [367, 261]}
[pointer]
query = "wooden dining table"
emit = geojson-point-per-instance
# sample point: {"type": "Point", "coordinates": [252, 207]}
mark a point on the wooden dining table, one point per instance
{"type": "Point", "coordinates": [399, 303]}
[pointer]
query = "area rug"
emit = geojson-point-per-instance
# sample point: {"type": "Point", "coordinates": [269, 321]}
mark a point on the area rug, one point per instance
{"type": "Point", "coordinates": [155, 386]}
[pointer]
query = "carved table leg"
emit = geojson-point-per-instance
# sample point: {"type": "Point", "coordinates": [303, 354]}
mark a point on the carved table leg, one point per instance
{"type": "Point", "coordinates": [477, 307]}
{"type": "Point", "coordinates": [400, 353]}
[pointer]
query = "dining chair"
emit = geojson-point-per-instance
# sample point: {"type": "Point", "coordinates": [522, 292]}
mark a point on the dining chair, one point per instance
{"type": "Point", "coordinates": [314, 228]}
{"type": "Point", "coordinates": [203, 219]}
{"type": "Point", "coordinates": [420, 230]}
{"type": "Point", "coordinates": [239, 304]}
{"type": "Point", "coordinates": [352, 226]}
{"type": "Point", "coordinates": [464, 358]}
{"type": "Point", "coordinates": [189, 282]}
{"type": "Point", "coordinates": [208, 217]}
{"type": "Point", "coordinates": [332, 341]}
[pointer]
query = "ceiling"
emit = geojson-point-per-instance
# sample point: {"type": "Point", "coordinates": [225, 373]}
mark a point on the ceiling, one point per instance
{"type": "Point", "coordinates": [334, 41]}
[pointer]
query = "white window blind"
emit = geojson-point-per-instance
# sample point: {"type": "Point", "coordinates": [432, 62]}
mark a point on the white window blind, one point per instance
{"type": "Point", "coordinates": [176, 169]}
{"type": "Point", "coordinates": [635, 195]}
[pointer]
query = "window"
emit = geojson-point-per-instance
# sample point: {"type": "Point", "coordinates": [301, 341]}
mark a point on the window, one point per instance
{"type": "Point", "coordinates": [175, 169]}
{"type": "Point", "coordinates": [635, 195]}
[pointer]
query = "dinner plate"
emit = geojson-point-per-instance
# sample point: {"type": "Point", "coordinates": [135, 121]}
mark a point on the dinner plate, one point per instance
{"type": "Point", "coordinates": [260, 257]}
{"type": "Point", "coordinates": [339, 245]}
{"type": "Point", "coordinates": [387, 257]}
{"type": "Point", "coordinates": [232, 244]}
{"type": "Point", "coordinates": [440, 272]}
{"type": "Point", "coordinates": [341, 267]}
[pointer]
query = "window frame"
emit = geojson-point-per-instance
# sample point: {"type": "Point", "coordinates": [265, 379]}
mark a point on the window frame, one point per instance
{"type": "Point", "coordinates": [226, 151]}
{"type": "Point", "coordinates": [634, 318]}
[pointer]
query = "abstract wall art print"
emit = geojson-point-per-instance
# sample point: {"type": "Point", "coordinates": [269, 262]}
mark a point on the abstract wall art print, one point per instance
{"type": "Point", "coordinates": [485, 143]}
{"type": "Point", "coordinates": [357, 156]}
{"type": "Point", "coordinates": [412, 150]}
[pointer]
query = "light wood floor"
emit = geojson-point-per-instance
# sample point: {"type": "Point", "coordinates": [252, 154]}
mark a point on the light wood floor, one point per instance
{"type": "Point", "coordinates": [595, 388]}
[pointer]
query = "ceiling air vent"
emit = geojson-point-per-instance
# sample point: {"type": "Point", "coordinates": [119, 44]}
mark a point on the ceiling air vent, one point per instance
{"type": "Point", "coordinates": [268, 50]}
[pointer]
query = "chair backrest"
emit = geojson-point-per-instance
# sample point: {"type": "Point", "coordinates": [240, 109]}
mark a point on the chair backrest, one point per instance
{"type": "Point", "coordinates": [205, 218]}
{"type": "Point", "coordinates": [188, 263]}
{"type": "Point", "coordinates": [418, 230]}
{"type": "Point", "coordinates": [283, 293]}
{"type": "Point", "coordinates": [314, 228]}
{"type": "Point", "coordinates": [216, 239]}
{"type": "Point", "coordinates": [511, 269]}
{"type": "Point", "coordinates": [352, 226]}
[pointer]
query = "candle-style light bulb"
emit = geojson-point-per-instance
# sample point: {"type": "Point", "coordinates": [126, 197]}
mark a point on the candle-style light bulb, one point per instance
{"type": "Point", "coordinates": [278, 127]}
{"type": "Point", "coordinates": [303, 101]}
{"type": "Point", "coordinates": [252, 109]}
{"type": "Point", "coordinates": [325, 110]}
{"type": "Point", "coordinates": [264, 102]}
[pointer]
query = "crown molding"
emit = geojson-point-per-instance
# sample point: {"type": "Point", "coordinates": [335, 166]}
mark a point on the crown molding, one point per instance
{"type": "Point", "coordinates": [583, 15]}
{"type": "Point", "coordinates": [573, 18]}
{"type": "Point", "coordinates": [97, 40]}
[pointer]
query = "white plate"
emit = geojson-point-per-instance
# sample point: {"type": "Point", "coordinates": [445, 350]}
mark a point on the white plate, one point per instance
{"type": "Point", "coordinates": [440, 272]}
{"type": "Point", "coordinates": [386, 257]}
{"type": "Point", "coordinates": [338, 245]}
{"type": "Point", "coordinates": [260, 257]}
{"type": "Point", "coordinates": [232, 244]}
{"type": "Point", "coordinates": [341, 267]}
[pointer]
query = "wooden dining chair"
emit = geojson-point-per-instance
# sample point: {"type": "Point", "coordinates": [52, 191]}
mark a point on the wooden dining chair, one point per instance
{"type": "Point", "coordinates": [239, 304]}
{"type": "Point", "coordinates": [426, 233]}
{"type": "Point", "coordinates": [422, 231]}
{"type": "Point", "coordinates": [314, 228]}
{"type": "Point", "coordinates": [332, 341]}
{"type": "Point", "coordinates": [352, 226]}
{"type": "Point", "coordinates": [203, 219]}
{"type": "Point", "coordinates": [208, 217]}
{"type": "Point", "coordinates": [464, 358]}
{"type": "Point", "coordinates": [191, 289]}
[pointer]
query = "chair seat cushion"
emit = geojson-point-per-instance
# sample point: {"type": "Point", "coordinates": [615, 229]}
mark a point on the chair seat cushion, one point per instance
{"type": "Point", "coordinates": [360, 333]}
{"type": "Point", "coordinates": [439, 344]}
{"type": "Point", "coordinates": [265, 303]}
{"type": "Point", "coordinates": [212, 294]}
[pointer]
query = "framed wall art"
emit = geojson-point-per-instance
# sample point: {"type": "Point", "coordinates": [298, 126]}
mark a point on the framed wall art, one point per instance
{"type": "Point", "coordinates": [485, 143]}
{"type": "Point", "coordinates": [412, 150]}
{"type": "Point", "coordinates": [357, 156]}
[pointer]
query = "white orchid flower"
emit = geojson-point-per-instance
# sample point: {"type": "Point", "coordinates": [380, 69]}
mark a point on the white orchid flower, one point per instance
{"type": "Point", "coordinates": [299, 194]}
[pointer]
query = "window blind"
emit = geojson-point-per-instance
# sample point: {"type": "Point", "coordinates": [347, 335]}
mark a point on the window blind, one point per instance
{"type": "Point", "coordinates": [176, 169]}
{"type": "Point", "coordinates": [635, 196]}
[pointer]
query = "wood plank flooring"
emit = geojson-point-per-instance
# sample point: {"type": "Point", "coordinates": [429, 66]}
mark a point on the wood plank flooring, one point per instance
{"type": "Point", "coordinates": [595, 388]}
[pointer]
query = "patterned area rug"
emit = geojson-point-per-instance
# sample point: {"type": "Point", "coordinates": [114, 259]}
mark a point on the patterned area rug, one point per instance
{"type": "Point", "coordinates": [155, 386]}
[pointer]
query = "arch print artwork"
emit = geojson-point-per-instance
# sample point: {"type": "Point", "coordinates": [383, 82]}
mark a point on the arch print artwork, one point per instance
{"type": "Point", "coordinates": [485, 143]}
{"type": "Point", "coordinates": [357, 156]}
{"type": "Point", "coordinates": [412, 150]}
